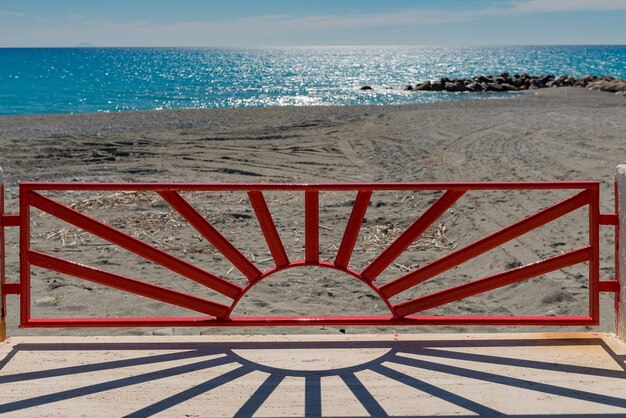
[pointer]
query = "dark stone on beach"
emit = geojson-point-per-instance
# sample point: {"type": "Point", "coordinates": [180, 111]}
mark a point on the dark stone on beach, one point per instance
{"type": "Point", "coordinates": [518, 82]}
{"type": "Point", "coordinates": [506, 82]}
{"type": "Point", "coordinates": [564, 80]}
{"type": "Point", "coordinates": [436, 85]}
{"type": "Point", "coordinates": [456, 86]}
{"type": "Point", "coordinates": [508, 87]}
{"type": "Point", "coordinates": [587, 78]}
{"type": "Point", "coordinates": [367, 88]}
{"type": "Point", "coordinates": [612, 86]}
{"type": "Point", "coordinates": [473, 86]}
{"type": "Point", "coordinates": [561, 81]}
{"type": "Point", "coordinates": [425, 86]}
{"type": "Point", "coordinates": [494, 87]}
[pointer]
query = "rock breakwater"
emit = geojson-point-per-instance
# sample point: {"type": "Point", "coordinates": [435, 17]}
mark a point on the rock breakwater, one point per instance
{"type": "Point", "coordinates": [517, 82]}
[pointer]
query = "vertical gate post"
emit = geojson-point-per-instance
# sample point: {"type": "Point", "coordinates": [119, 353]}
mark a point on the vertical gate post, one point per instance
{"type": "Point", "coordinates": [620, 253]}
{"type": "Point", "coordinates": [3, 325]}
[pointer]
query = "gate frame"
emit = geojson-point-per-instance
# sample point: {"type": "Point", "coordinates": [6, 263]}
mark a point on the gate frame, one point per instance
{"type": "Point", "coordinates": [311, 192]}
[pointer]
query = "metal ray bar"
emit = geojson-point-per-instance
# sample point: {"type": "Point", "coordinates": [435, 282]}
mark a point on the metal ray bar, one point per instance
{"type": "Point", "coordinates": [608, 219]}
{"type": "Point", "coordinates": [127, 284]}
{"type": "Point", "coordinates": [609, 286]}
{"type": "Point", "coordinates": [485, 244]}
{"type": "Point", "coordinates": [208, 231]}
{"type": "Point", "coordinates": [353, 228]}
{"type": "Point", "coordinates": [417, 228]}
{"type": "Point", "coordinates": [133, 245]}
{"type": "Point", "coordinates": [10, 220]}
{"type": "Point", "coordinates": [493, 282]}
{"type": "Point", "coordinates": [11, 289]}
{"type": "Point", "coordinates": [311, 226]}
{"type": "Point", "coordinates": [268, 228]}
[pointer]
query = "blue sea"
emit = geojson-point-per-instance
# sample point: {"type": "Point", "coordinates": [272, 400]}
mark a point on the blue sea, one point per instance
{"type": "Point", "coordinates": [71, 80]}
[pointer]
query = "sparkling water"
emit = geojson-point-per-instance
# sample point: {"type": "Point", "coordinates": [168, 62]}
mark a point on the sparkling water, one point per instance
{"type": "Point", "coordinates": [68, 80]}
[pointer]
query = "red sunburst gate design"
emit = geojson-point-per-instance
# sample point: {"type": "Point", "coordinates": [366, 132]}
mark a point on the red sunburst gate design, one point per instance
{"type": "Point", "coordinates": [586, 193]}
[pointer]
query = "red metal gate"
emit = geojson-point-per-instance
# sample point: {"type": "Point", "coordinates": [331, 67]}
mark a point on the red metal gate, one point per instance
{"type": "Point", "coordinates": [32, 195]}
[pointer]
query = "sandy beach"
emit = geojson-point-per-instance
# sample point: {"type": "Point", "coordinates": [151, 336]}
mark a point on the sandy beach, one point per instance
{"type": "Point", "coordinates": [555, 134]}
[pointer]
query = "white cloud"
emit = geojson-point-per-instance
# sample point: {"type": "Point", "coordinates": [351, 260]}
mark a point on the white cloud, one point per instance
{"type": "Point", "coordinates": [415, 17]}
{"type": "Point", "coordinates": [17, 14]}
{"type": "Point", "coordinates": [547, 6]}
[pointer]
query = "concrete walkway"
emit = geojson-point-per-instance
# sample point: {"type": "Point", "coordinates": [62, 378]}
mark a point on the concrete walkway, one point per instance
{"type": "Point", "coordinates": [348, 375]}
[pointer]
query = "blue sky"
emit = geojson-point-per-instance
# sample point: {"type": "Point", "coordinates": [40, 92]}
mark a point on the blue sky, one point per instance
{"type": "Point", "coordinates": [291, 22]}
